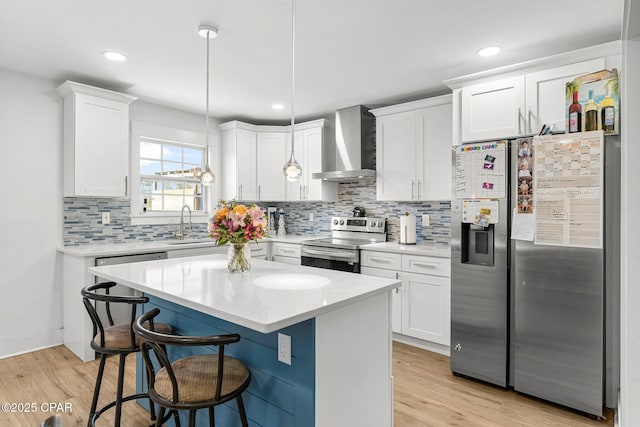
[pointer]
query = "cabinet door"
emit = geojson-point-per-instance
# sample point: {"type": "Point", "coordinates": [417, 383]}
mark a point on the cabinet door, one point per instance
{"type": "Point", "coordinates": [426, 307]}
{"type": "Point", "coordinates": [396, 157]}
{"type": "Point", "coordinates": [313, 164]}
{"type": "Point", "coordinates": [271, 157]}
{"type": "Point", "coordinates": [396, 295]}
{"type": "Point", "coordinates": [493, 110]}
{"type": "Point", "coordinates": [294, 188]}
{"type": "Point", "coordinates": [101, 146]}
{"type": "Point", "coordinates": [545, 94]}
{"type": "Point", "coordinates": [434, 130]}
{"type": "Point", "coordinates": [246, 165]}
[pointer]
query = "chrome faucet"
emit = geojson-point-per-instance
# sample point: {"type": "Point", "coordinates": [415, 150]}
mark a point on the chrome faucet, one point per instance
{"type": "Point", "coordinates": [180, 235]}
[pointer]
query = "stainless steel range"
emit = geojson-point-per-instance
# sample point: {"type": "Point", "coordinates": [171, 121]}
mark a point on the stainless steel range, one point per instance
{"type": "Point", "coordinates": [341, 251]}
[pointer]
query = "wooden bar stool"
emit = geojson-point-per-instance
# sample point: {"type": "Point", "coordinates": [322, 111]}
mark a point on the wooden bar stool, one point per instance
{"type": "Point", "coordinates": [111, 339]}
{"type": "Point", "coordinates": [194, 382]}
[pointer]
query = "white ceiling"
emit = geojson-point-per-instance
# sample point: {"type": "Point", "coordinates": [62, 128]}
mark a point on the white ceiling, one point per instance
{"type": "Point", "coordinates": [371, 52]}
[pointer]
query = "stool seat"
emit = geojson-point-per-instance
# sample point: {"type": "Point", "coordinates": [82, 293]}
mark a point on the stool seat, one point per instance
{"type": "Point", "coordinates": [118, 337]}
{"type": "Point", "coordinates": [197, 377]}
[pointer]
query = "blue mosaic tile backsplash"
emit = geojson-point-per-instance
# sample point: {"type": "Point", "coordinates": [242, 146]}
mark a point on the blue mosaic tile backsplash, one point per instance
{"type": "Point", "coordinates": [363, 193]}
{"type": "Point", "coordinates": [83, 224]}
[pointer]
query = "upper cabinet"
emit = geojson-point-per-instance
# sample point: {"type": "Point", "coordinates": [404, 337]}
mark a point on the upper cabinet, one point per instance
{"type": "Point", "coordinates": [310, 152]}
{"type": "Point", "coordinates": [96, 141]}
{"type": "Point", "coordinates": [271, 150]}
{"type": "Point", "coordinates": [253, 157]}
{"type": "Point", "coordinates": [518, 100]}
{"type": "Point", "coordinates": [520, 105]}
{"type": "Point", "coordinates": [239, 161]}
{"type": "Point", "coordinates": [413, 150]}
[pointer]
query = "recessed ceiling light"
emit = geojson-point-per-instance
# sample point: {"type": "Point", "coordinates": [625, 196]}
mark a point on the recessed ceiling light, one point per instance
{"type": "Point", "coordinates": [114, 56]}
{"type": "Point", "coordinates": [277, 107]}
{"type": "Point", "coordinates": [207, 30]}
{"type": "Point", "coordinates": [489, 51]}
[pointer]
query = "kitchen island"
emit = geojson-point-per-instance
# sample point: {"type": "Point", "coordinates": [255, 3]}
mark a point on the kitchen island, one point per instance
{"type": "Point", "coordinates": [339, 324]}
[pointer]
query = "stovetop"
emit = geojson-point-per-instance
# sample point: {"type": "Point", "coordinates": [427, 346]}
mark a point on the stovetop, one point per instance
{"type": "Point", "coordinates": [351, 233]}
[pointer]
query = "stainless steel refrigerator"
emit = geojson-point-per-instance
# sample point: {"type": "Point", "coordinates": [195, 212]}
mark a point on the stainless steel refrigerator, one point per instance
{"type": "Point", "coordinates": [534, 277]}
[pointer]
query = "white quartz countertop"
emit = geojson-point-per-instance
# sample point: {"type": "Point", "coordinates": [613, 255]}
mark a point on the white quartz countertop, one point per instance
{"type": "Point", "coordinates": [269, 297]}
{"type": "Point", "coordinates": [138, 246]}
{"type": "Point", "coordinates": [439, 251]}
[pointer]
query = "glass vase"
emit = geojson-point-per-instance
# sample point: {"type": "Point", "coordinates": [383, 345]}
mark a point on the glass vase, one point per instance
{"type": "Point", "coordinates": [239, 257]}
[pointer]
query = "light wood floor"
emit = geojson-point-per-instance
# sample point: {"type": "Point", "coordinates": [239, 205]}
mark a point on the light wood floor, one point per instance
{"type": "Point", "coordinates": [426, 393]}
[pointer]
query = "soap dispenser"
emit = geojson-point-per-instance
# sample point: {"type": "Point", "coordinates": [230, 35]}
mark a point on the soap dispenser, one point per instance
{"type": "Point", "coordinates": [281, 230]}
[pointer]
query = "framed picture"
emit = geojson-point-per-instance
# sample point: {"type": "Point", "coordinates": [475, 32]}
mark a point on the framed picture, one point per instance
{"type": "Point", "coordinates": [593, 103]}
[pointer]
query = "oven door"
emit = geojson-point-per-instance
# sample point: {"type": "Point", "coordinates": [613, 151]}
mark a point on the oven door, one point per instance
{"type": "Point", "coordinates": [331, 258]}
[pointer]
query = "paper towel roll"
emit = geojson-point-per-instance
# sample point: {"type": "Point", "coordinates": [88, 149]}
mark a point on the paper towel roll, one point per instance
{"type": "Point", "coordinates": [408, 229]}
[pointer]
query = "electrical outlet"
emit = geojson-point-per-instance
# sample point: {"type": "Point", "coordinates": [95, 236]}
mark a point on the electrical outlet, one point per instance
{"type": "Point", "coordinates": [425, 220]}
{"type": "Point", "coordinates": [311, 217]}
{"type": "Point", "coordinates": [284, 348]}
{"type": "Point", "coordinates": [106, 218]}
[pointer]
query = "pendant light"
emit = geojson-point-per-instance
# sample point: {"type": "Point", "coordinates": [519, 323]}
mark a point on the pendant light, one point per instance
{"type": "Point", "coordinates": [207, 31]}
{"type": "Point", "coordinates": [292, 169]}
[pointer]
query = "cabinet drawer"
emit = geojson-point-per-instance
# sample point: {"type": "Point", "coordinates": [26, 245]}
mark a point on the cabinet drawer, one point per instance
{"type": "Point", "coordinates": [286, 250]}
{"type": "Point", "coordinates": [381, 260]}
{"type": "Point", "coordinates": [426, 265]}
{"type": "Point", "coordinates": [258, 250]}
{"type": "Point", "coordinates": [286, 260]}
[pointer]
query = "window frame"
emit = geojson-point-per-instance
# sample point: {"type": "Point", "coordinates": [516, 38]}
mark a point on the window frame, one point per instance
{"type": "Point", "coordinates": [154, 133]}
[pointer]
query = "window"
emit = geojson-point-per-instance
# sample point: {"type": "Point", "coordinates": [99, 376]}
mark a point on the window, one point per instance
{"type": "Point", "coordinates": [169, 176]}
{"type": "Point", "coordinates": [165, 165]}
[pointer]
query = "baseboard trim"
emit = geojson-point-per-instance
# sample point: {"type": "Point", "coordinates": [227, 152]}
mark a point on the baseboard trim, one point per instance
{"type": "Point", "coordinates": [425, 345]}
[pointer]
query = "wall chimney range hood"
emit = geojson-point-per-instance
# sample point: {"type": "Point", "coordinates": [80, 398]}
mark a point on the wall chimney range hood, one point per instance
{"type": "Point", "coordinates": [355, 146]}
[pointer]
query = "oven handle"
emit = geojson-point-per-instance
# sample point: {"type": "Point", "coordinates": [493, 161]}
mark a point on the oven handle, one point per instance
{"type": "Point", "coordinates": [336, 254]}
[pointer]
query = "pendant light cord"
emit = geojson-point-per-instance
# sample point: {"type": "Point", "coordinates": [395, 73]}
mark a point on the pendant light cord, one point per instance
{"type": "Point", "coordinates": [207, 106]}
{"type": "Point", "coordinates": [293, 70]}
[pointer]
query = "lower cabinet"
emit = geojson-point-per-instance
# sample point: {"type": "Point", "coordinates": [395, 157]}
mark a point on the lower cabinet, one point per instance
{"type": "Point", "coordinates": [288, 253]}
{"type": "Point", "coordinates": [259, 250]}
{"type": "Point", "coordinates": [422, 306]}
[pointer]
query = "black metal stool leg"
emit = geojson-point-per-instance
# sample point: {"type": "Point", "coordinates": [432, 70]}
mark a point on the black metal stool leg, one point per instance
{"type": "Point", "coordinates": [212, 417]}
{"type": "Point", "coordinates": [123, 358]}
{"type": "Point", "coordinates": [176, 417]}
{"type": "Point", "coordinates": [96, 390]}
{"type": "Point", "coordinates": [192, 418]}
{"type": "Point", "coordinates": [160, 417]}
{"type": "Point", "coordinates": [243, 414]}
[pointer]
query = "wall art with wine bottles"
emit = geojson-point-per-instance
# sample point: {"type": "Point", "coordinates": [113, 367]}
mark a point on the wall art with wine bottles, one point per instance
{"type": "Point", "coordinates": [593, 103]}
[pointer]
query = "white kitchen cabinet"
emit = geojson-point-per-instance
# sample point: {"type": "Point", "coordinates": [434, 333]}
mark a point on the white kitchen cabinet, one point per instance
{"type": "Point", "coordinates": [259, 250]}
{"type": "Point", "coordinates": [519, 105]}
{"type": "Point", "coordinates": [288, 253]}
{"type": "Point", "coordinates": [239, 157]}
{"type": "Point", "coordinates": [545, 94]}
{"type": "Point", "coordinates": [426, 302]}
{"type": "Point", "coordinates": [271, 152]}
{"type": "Point", "coordinates": [309, 151]}
{"type": "Point", "coordinates": [396, 295]}
{"type": "Point", "coordinates": [414, 150]}
{"type": "Point", "coordinates": [422, 307]}
{"type": "Point", "coordinates": [96, 141]}
{"type": "Point", "coordinates": [253, 157]}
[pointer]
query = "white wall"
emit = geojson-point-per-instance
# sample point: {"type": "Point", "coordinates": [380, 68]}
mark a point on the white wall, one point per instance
{"type": "Point", "coordinates": [630, 274]}
{"type": "Point", "coordinates": [30, 213]}
{"type": "Point", "coordinates": [629, 409]}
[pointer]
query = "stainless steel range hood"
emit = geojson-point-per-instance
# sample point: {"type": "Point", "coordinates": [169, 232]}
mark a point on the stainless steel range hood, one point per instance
{"type": "Point", "coordinates": [355, 146]}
